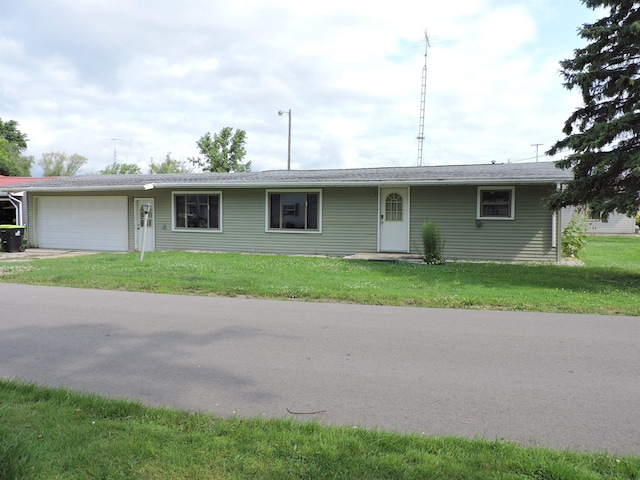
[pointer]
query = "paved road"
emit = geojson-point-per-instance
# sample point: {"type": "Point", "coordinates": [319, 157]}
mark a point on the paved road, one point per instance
{"type": "Point", "coordinates": [554, 380]}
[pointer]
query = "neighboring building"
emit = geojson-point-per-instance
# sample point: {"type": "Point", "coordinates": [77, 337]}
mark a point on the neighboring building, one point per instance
{"type": "Point", "coordinates": [11, 202]}
{"type": "Point", "coordinates": [485, 212]}
{"type": "Point", "coordinates": [615, 224]}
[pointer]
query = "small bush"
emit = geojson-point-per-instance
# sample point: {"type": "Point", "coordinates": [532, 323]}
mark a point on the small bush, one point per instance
{"type": "Point", "coordinates": [574, 236]}
{"type": "Point", "coordinates": [432, 243]}
{"type": "Point", "coordinates": [638, 219]}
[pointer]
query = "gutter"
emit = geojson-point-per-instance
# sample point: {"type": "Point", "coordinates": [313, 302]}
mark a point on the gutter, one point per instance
{"type": "Point", "coordinates": [558, 228]}
{"type": "Point", "coordinates": [295, 184]}
{"type": "Point", "coordinates": [18, 206]}
{"type": "Point", "coordinates": [96, 188]}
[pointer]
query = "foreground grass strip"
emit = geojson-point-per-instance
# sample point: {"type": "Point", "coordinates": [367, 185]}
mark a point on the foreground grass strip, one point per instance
{"type": "Point", "coordinates": [54, 433]}
{"type": "Point", "coordinates": [609, 283]}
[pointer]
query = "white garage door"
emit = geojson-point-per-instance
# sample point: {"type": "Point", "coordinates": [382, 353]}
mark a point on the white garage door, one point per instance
{"type": "Point", "coordinates": [86, 223]}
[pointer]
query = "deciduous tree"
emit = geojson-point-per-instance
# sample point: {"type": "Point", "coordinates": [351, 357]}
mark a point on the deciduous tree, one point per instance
{"type": "Point", "coordinates": [12, 164]}
{"type": "Point", "coordinates": [9, 131]}
{"type": "Point", "coordinates": [12, 143]}
{"type": "Point", "coordinates": [121, 169]}
{"type": "Point", "coordinates": [169, 165]}
{"type": "Point", "coordinates": [58, 164]}
{"type": "Point", "coordinates": [223, 152]}
{"type": "Point", "coordinates": [603, 136]}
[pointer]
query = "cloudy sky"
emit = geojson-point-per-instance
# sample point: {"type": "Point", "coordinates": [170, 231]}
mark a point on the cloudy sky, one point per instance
{"type": "Point", "coordinates": [158, 74]}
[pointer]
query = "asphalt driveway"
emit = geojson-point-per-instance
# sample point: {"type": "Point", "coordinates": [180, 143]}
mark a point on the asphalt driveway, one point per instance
{"type": "Point", "coordinates": [562, 381]}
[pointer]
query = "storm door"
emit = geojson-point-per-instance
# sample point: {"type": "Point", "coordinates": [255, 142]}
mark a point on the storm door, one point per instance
{"type": "Point", "coordinates": [394, 219]}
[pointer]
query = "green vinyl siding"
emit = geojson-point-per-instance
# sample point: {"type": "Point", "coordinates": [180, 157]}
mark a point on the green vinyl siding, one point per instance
{"type": "Point", "coordinates": [348, 225]}
{"type": "Point", "coordinates": [454, 208]}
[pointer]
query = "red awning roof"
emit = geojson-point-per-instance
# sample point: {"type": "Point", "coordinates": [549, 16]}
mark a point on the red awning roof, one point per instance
{"type": "Point", "coordinates": [6, 181]}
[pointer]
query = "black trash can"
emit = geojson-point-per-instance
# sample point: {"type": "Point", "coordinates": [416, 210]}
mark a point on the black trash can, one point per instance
{"type": "Point", "coordinates": [11, 238]}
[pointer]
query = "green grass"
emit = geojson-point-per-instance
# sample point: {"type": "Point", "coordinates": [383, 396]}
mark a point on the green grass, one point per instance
{"type": "Point", "coordinates": [609, 283]}
{"type": "Point", "coordinates": [57, 434]}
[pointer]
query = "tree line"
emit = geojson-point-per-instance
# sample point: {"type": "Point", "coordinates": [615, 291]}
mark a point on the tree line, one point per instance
{"type": "Point", "coordinates": [221, 152]}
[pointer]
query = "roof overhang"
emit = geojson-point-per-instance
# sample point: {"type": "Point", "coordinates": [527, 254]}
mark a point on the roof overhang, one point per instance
{"type": "Point", "coordinates": [310, 184]}
{"type": "Point", "coordinates": [503, 174]}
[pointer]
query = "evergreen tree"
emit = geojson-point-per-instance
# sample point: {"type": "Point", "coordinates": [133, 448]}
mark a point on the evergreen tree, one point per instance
{"type": "Point", "coordinates": [603, 136]}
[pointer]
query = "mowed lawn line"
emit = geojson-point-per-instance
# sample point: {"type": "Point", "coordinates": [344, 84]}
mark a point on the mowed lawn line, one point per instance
{"type": "Point", "coordinates": [55, 433]}
{"type": "Point", "coordinates": [608, 283]}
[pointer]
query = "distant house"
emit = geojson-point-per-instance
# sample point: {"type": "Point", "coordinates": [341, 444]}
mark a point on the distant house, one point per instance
{"type": "Point", "coordinates": [485, 212]}
{"type": "Point", "coordinates": [11, 201]}
{"type": "Point", "coordinates": [615, 224]}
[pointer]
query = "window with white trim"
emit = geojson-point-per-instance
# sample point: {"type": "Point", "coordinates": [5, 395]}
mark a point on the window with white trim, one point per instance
{"type": "Point", "coordinates": [197, 211]}
{"type": "Point", "coordinates": [293, 210]}
{"type": "Point", "coordinates": [497, 203]}
{"type": "Point", "coordinates": [393, 208]}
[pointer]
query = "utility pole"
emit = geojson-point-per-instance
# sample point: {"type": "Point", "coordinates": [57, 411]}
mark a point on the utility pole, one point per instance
{"type": "Point", "coordinates": [280, 113]}
{"type": "Point", "coordinates": [115, 142]}
{"type": "Point", "coordinates": [536, 145]}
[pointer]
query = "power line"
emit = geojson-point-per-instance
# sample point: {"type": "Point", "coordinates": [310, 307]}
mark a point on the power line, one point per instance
{"type": "Point", "coordinates": [536, 145]}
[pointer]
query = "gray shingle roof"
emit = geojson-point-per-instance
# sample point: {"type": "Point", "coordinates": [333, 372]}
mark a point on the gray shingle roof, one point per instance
{"type": "Point", "coordinates": [513, 173]}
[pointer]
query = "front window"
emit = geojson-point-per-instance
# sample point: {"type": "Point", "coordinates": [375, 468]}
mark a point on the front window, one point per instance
{"type": "Point", "coordinates": [294, 211]}
{"type": "Point", "coordinates": [196, 211]}
{"type": "Point", "coordinates": [496, 203]}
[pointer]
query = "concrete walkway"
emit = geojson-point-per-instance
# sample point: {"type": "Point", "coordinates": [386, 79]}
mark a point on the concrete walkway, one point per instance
{"type": "Point", "coordinates": [35, 253]}
{"type": "Point", "coordinates": [561, 381]}
{"type": "Point", "coordinates": [387, 257]}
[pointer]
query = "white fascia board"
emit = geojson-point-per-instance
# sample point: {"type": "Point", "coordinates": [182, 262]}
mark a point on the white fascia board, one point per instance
{"type": "Point", "coordinates": [97, 188]}
{"type": "Point", "coordinates": [364, 183]}
{"type": "Point", "coordinates": [309, 184]}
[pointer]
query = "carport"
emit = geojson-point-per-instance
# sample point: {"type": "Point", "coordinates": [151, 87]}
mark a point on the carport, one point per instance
{"type": "Point", "coordinates": [11, 209]}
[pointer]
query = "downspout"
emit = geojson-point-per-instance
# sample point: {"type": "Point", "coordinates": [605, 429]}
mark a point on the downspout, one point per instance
{"type": "Point", "coordinates": [18, 206]}
{"type": "Point", "coordinates": [557, 229]}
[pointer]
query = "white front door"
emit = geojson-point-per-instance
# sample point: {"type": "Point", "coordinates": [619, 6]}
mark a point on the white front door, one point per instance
{"type": "Point", "coordinates": [150, 236]}
{"type": "Point", "coordinates": [394, 220]}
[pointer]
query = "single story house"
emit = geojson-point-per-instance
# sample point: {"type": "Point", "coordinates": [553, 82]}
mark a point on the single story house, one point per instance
{"type": "Point", "coordinates": [491, 212]}
{"type": "Point", "coordinates": [615, 224]}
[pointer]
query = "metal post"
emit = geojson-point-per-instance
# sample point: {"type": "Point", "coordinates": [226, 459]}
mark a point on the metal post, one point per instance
{"type": "Point", "coordinates": [280, 113]}
{"type": "Point", "coordinates": [289, 144]}
{"type": "Point", "coordinates": [145, 209]}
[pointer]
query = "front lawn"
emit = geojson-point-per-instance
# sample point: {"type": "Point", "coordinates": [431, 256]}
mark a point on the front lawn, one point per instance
{"type": "Point", "coordinates": [608, 283]}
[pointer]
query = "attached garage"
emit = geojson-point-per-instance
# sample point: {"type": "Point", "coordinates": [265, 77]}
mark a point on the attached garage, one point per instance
{"type": "Point", "coordinates": [84, 223]}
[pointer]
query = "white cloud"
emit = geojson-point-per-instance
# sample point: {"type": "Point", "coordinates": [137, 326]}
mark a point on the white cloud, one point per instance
{"type": "Point", "coordinates": [160, 75]}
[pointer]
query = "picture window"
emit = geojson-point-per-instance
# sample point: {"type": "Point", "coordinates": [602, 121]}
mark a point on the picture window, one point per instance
{"type": "Point", "coordinates": [294, 211]}
{"type": "Point", "coordinates": [197, 211]}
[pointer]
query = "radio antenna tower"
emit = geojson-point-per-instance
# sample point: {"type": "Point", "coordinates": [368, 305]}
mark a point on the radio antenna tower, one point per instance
{"type": "Point", "coordinates": [423, 96]}
{"type": "Point", "coordinates": [115, 153]}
